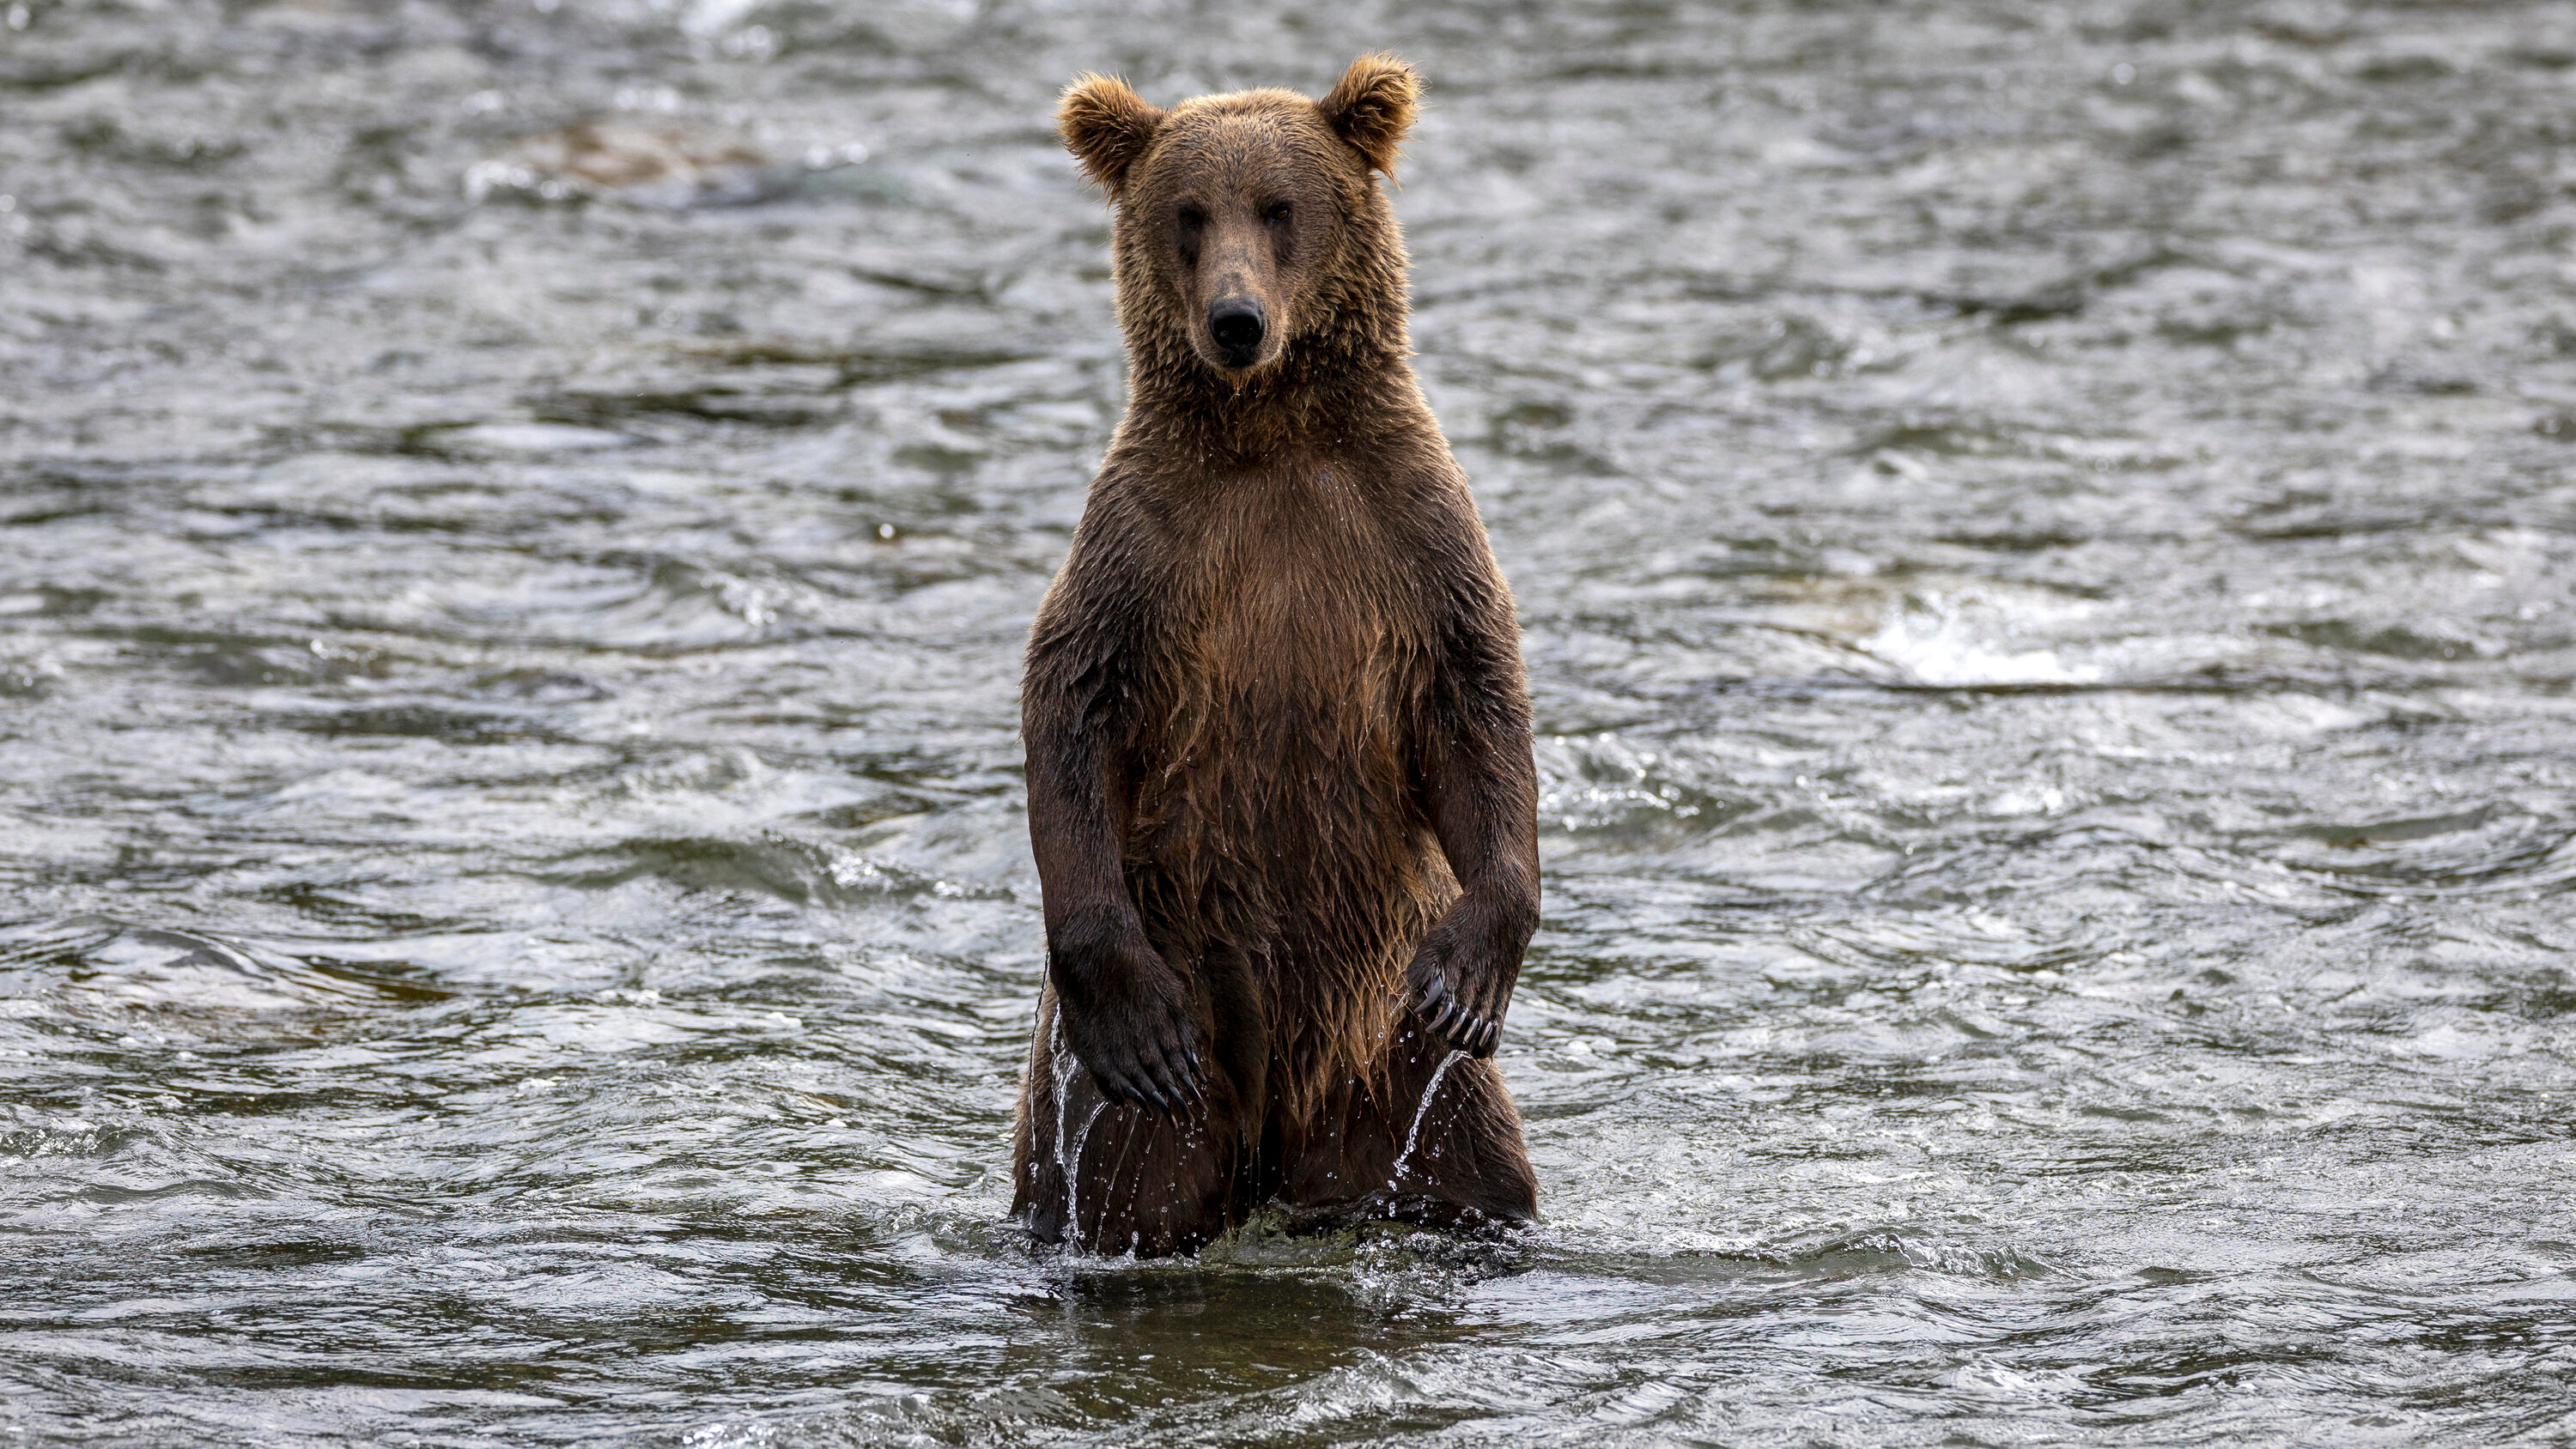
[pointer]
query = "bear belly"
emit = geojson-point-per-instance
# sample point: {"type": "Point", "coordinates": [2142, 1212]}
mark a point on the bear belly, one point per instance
{"type": "Point", "coordinates": [1280, 827]}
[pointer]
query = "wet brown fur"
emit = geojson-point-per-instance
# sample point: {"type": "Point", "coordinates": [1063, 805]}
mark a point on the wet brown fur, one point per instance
{"type": "Point", "coordinates": [1279, 763]}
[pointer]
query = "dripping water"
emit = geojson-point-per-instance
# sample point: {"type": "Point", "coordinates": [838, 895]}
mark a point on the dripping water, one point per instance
{"type": "Point", "coordinates": [1068, 1150]}
{"type": "Point", "coordinates": [1413, 1134]}
{"type": "Point", "coordinates": [1069, 1161]}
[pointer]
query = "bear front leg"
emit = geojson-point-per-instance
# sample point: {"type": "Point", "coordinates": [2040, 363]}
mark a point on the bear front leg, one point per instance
{"type": "Point", "coordinates": [1126, 1014]}
{"type": "Point", "coordinates": [1480, 788]}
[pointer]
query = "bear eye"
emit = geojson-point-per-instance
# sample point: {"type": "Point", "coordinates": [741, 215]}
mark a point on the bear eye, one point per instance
{"type": "Point", "coordinates": [1277, 211]}
{"type": "Point", "coordinates": [1192, 218]}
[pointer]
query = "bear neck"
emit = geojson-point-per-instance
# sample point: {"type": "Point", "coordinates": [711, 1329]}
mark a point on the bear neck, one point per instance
{"type": "Point", "coordinates": [1350, 380]}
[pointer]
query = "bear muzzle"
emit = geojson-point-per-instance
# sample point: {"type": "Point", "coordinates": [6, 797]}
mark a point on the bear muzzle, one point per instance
{"type": "Point", "coordinates": [1237, 325]}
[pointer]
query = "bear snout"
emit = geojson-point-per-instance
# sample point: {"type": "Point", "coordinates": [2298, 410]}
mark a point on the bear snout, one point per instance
{"type": "Point", "coordinates": [1237, 325]}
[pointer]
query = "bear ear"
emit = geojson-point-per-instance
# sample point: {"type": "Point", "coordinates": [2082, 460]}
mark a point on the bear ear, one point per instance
{"type": "Point", "coordinates": [1106, 126]}
{"type": "Point", "coordinates": [1374, 106]}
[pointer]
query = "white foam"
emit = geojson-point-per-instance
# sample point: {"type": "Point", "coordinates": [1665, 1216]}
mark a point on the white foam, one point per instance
{"type": "Point", "coordinates": [1940, 647]}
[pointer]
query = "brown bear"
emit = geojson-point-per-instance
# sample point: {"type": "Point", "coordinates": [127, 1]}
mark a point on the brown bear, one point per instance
{"type": "Point", "coordinates": [1280, 785]}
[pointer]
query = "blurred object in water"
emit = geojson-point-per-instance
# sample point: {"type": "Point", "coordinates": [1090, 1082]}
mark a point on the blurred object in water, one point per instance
{"type": "Point", "coordinates": [662, 166]}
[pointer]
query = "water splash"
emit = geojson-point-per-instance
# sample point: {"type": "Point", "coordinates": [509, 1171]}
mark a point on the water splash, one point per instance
{"type": "Point", "coordinates": [1413, 1134]}
{"type": "Point", "coordinates": [1068, 1148]}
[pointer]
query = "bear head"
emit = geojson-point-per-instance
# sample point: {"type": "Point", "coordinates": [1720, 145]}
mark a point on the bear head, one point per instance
{"type": "Point", "coordinates": [1249, 226]}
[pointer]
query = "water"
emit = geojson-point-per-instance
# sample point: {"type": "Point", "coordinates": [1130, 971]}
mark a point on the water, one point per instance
{"type": "Point", "coordinates": [2046, 537]}
{"type": "Point", "coordinates": [1421, 1110]}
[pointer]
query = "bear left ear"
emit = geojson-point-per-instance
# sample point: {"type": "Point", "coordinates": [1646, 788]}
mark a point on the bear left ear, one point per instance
{"type": "Point", "coordinates": [1106, 126]}
{"type": "Point", "coordinates": [1373, 107]}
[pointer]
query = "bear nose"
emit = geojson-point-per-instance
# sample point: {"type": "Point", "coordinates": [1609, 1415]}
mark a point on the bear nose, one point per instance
{"type": "Point", "coordinates": [1235, 323]}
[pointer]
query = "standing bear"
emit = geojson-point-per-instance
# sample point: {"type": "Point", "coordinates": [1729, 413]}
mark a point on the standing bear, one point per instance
{"type": "Point", "coordinates": [1280, 784]}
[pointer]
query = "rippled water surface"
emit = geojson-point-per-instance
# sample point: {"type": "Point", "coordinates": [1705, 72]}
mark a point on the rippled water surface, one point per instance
{"type": "Point", "coordinates": [2046, 536]}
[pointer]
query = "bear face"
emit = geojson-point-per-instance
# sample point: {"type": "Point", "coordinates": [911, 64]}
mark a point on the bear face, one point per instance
{"type": "Point", "coordinates": [1245, 220]}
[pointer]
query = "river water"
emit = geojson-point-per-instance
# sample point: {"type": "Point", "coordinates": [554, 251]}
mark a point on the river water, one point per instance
{"type": "Point", "coordinates": [2046, 534]}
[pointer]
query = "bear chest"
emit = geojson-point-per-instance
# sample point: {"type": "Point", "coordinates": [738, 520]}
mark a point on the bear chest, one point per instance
{"type": "Point", "coordinates": [1314, 645]}
{"type": "Point", "coordinates": [1290, 710]}
{"type": "Point", "coordinates": [1300, 637]}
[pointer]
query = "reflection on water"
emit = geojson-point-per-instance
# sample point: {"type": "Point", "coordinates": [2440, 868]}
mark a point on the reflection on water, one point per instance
{"type": "Point", "coordinates": [2045, 536]}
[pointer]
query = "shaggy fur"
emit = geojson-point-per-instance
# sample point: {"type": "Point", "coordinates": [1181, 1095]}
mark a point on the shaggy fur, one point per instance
{"type": "Point", "coordinates": [1280, 785]}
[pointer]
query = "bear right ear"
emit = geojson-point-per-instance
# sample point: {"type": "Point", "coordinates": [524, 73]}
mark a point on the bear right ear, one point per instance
{"type": "Point", "coordinates": [1373, 107]}
{"type": "Point", "coordinates": [1106, 126]}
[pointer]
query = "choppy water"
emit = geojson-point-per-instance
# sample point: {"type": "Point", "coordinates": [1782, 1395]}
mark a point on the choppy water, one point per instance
{"type": "Point", "coordinates": [2046, 536]}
